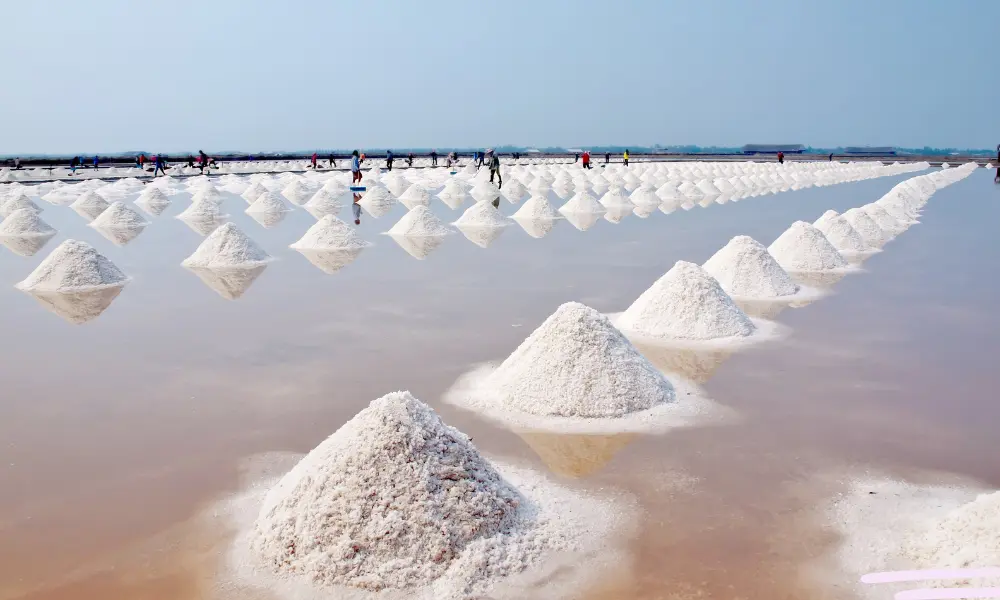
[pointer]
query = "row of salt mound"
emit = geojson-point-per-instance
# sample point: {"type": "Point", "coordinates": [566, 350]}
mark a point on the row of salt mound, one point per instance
{"type": "Point", "coordinates": [802, 247]}
{"type": "Point", "coordinates": [419, 222]}
{"type": "Point", "coordinates": [745, 269]}
{"type": "Point", "coordinates": [867, 228]}
{"type": "Point", "coordinates": [227, 247]}
{"type": "Point", "coordinates": [840, 233]}
{"type": "Point", "coordinates": [25, 222]}
{"type": "Point", "coordinates": [74, 266]}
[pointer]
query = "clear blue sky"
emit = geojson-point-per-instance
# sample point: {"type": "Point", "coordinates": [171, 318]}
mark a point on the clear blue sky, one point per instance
{"type": "Point", "coordinates": [256, 75]}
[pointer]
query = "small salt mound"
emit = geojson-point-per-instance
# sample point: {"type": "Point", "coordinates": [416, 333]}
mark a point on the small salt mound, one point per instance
{"type": "Point", "coordinates": [841, 235]}
{"type": "Point", "coordinates": [643, 197]}
{"type": "Point", "coordinates": [268, 202]}
{"type": "Point", "coordinates": [296, 192]}
{"type": "Point", "coordinates": [990, 166]}
{"type": "Point", "coordinates": [330, 233]}
{"type": "Point", "coordinates": [252, 192]}
{"type": "Point", "coordinates": [883, 219]}
{"type": "Point", "coordinates": [90, 205]}
{"type": "Point", "coordinates": [583, 202]}
{"type": "Point", "coordinates": [73, 266]}
{"type": "Point", "coordinates": [153, 195]}
{"type": "Point", "coordinates": [745, 269]}
{"type": "Point", "coordinates": [415, 195]}
{"type": "Point", "coordinates": [484, 191]}
{"type": "Point", "coordinates": [225, 247]}
{"type": "Point", "coordinates": [686, 304]}
{"type": "Point", "coordinates": [17, 201]}
{"type": "Point", "coordinates": [377, 201]}
{"type": "Point", "coordinates": [535, 209]}
{"type": "Point", "coordinates": [419, 222]}
{"type": "Point", "coordinates": [514, 192]}
{"type": "Point", "coordinates": [967, 537]}
{"type": "Point", "coordinates": [866, 227]}
{"type": "Point", "coordinates": [201, 210]}
{"type": "Point", "coordinates": [481, 214]}
{"type": "Point", "coordinates": [825, 216]}
{"type": "Point", "coordinates": [615, 198]}
{"type": "Point", "coordinates": [576, 364]}
{"type": "Point", "coordinates": [25, 222]}
{"type": "Point", "coordinates": [802, 247]}
{"type": "Point", "coordinates": [119, 215]}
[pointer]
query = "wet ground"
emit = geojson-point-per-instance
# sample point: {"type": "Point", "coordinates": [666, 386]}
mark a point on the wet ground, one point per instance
{"type": "Point", "coordinates": [116, 433]}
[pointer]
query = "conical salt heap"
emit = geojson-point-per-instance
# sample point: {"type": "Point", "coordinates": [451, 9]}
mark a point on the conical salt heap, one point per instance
{"type": "Point", "coordinates": [615, 198]}
{"type": "Point", "coordinates": [582, 203]}
{"type": "Point", "coordinates": [576, 364]}
{"type": "Point", "coordinates": [377, 201]}
{"type": "Point", "coordinates": [484, 191]}
{"type": "Point", "coordinates": [296, 192]}
{"type": "Point", "coordinates": [89, 205]}
{"type": "Point", "coordinates": [686, 304]}
{"type": "Point", "coordinates": [330, 233]}
{"type": "Point", "coordinates": [481, 214]}
{"type": "Point", "coordinates": [962, 538]}
{"type": "Point", "coordinates": [824, 217]}
{"type": "Point", "coordinates": [415, 195]}
{"type": "Point", "coordinates": [419, 222]}
{"type": "Point", "coordinates": [390, 500]}
{"type": "Point", "coordinates": [745, 269]}
{"type": "Point", "coordinates": [152, 196]}
{"type": "Point", "coordinates": [867, 228]}
{"type": "Point", "coordinates": [802, 247]}
{"type": "Point", "coordinates": [841, 235]}
{"type": "Point", "coordinates": [25, 223]}
{"type": "Point", "coordinates": [536, 208]}
{"type": "Point", "coordinates": [269, 202]}
{"type": "Point", "coordinates": [252, 192]}
{"type": "Point", "coordinates": [514, 191]}
{"type": "Point", "coordinates": [227, 247]}
{"type": "Point", "coordinates": [17, 201]}
{"type": "Point", "coordinates": [119, 216]}
{"type": "Point", "coordinates": [73, 266]}
{"type": "Point", "coordinates": [885, 221]}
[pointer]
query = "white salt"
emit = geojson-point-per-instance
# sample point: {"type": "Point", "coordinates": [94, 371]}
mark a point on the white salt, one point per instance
{"type": "Point", "coordinates": [153, 195]}
{"type": "Point", "coordinates": [582, 203]}
{"type": "Point", "coordinates": [967, 537]}
{"type": "Point", "coordinates": [73, 266]}
{"type": "Point", "coordinates": [252, 192]}
{"type": "Point", "coordinates": [484, 191]}
{"type": "Point", "coordinates": [802, 247]}
{"type": "Point", "coordinates": [841, 235]}
{"type": "Point", "coordinates": [330, 233]}
{"type": "Point", "coordinates": [17, 201]}
{"type": "Point", "coordinates": [204, 210]}
{"type": "Point", "coordinates": [415, 195]}
{"type": "Point", "coordinates": [824, 217]}
{"type": "Point", "coordinates": [269, 202]}
{"type": "Point", "coordinates": [614, 198]}
{"type": "Point", "coordinates": [883, 219]}
{"type": "Point", "coordinates": [514, 191]}
{"type": "Point", "coordinates": [419, 222]}
{"type": "Point", "coordinates": [686, 304]}
{"type": "Point", "coordinates": [866, 227]}
{"type": "Point", "coordinates": [27, 223]}
{"type": "Point", "coordinates": [745, 269]}
{"type": "Point", "coordinates": [90, 205]}
{"type": "Point", "coordinates": [481, 214]}
{"type": "Point", "coordinates": [537, 208]}
{"type": "Point", "coordinates": [227, 246]}
{"type": "Point", "coordinates": [119, 215]}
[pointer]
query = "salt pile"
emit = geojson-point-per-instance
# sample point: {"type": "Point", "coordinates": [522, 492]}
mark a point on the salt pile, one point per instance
{"type": "Point", "coordinates": [330, 233]}
{"type": "Point", "coordinates": [841, 235]}
{"type": "Point", "coordinates": [481, 214]}
{"type": "Point", "coordinates": [415, 195]}
{"type": "Point", "coordinates": [824, 217]}
{"type": "Point", "coordinates": [416, 509]}
{"type": "Point", "coordinates": [17, 201]}
{"type": "Point", "coordinates": [514, 192]}
{"type": "Point", "coordinates": [73, 266]}
{"type": "Point", "coordinates": [686, 304]}
{"type": "Point", "coordinates": [745, 269]}
{"type": "Point", "coordinates": [252, 192]}
{"type": "Point", "coordinates": [268, 202]}
{"type": "Point", "coordinates": [227, 247]}
{"type": "Point", "coordinates": [883, 219]}
{"type": "Point", "coordinates": [204, 210]}
{"type": "Point", "coordinates": [582, 203]}
{"type": "Point", "coordinates": [324, 202]}
{"type": "Point", "coordinates": [89, 205]}
{"type": "Point", "coordinates": [967, 537]}
{"type": "Point", "coordinates": [866, 227]}
{"type": "Point", "coordinates": [484, 191]}
{"type": "Point", "coordinates": [614, 198]}
{"type": "Point", "coordinates": [802, 247]}
{"type": "Point", "coordinates": [377, 201]}
{"type": "Point", "coordinates": [25, 223]}
{"type": "Point", "coordinates": [419, 222]}
{"type": "Point", "coordinates": [536, 208]}
{"type": "Point", "coordinates": [296, 192]}
{"type": "Point", "coordinates": [119, 216]}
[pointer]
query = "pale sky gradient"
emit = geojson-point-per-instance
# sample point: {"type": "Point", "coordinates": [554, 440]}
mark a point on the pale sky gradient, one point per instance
{"type": "Point", "coordinates": [256, 75]}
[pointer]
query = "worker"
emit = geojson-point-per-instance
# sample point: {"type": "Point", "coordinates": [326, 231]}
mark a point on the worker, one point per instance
{"type": "Point", "coordinates": [314, 157]}
{"type": "Point", "coordinates": [607, 157]}
{"type": "Point", "coordinates": [781, 158]}
{"type": "Point", "coordinates": [355, 167]}
{"type": "Point", "coordinates": [495, 169]}
{"type": "Point", "coordinates": [409, 159]}
{"type": "Point", "coordinates": [160, 165]}
{"type": "Point", "coordinates": [17, 163]}
{"type": "Point", "coordinates": [73, 164]}
{"type": "Point", "coordinates": [333, 163]}
{"type": "Point", "coordinates": [202, 161]}
{"type": "Point", "coordinates": [388, 160]}
{"type": "Point", "coordinates": [586, 159]}
{"type": "Point", "coordinates": [97, 162]}
{"type": "Point", "coordinates": [434, 158]}
{"type": "Point", "coordinates": [625, 157]}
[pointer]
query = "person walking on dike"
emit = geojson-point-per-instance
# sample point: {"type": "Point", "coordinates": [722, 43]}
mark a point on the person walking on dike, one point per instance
{"type": "Point", "coordinates": [586, 159]}
{"type": "Point", "coordinates": [355, 168]}
{"type": "Point", "coordinates": [314, 157]}
{"type": "Point", "coordinates": [160, 165]}
{"type": "Point", "coordinates": [409, 159]}
{"type": "Point", "coordinates": [333, 163]}
{"type": "Point", "coordinates": [495, 170]}
{"type": "Point", "coordinates": [388, 160]}
{"type": "Point", "coordinates": [434, 158]}
{"type": "Point", "coordinates": [17, 163]}
{"type": "Point", "coordinates": [781, 158]}
{"type": "Point", "coordinates": [73, 163]}
{"type": "Point", "coordinates": [831, 157]}
{"type": "Point", "coordinates": [202, 161]}
{"type": "Point", "coordinates": [607, 157]}
{"type": "Point", "coordinates": [97, 162]}
{"type": "Point", "coordinates": [625, 157]}
{"type": "Point", "coordinates": [142, 162]}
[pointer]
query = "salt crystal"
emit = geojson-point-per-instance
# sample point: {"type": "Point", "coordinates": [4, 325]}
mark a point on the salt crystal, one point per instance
{"type": "Point", "coordinates": [74, 266]}
{"type": "Point", "coordinates": [330, 233]}
{"type": "Point", "coordinates": [419, 222]}
{"type": "Point", "coordinates": [745, 269]}
{"type": "Point", "coordinates": [268, 202]}
{"type": "Point", "coordinates": [225, 247]}
{"type": "Point", "coordinates": [119, 215]}
{"type": "Point", "coordinates": [802, 247]}
{"type": "Point", "coordinates": [25, 222]}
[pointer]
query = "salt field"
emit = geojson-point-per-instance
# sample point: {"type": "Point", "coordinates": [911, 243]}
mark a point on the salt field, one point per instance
{"type": "Point", "coordinates": [675, 380]}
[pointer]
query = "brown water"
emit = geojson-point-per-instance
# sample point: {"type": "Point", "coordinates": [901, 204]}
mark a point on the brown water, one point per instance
{"type": "Point", "coordinates": [118, 432]}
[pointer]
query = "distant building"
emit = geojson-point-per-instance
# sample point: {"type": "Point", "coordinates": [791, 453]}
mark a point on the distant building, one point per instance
{"type": "Point", "coordinates": [870, 150]}
{"type": "Point", "coordinates": [773, 148]}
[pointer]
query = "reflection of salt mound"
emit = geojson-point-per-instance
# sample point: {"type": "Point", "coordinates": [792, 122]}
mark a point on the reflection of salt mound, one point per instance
{"type": "Point", "coordinates": [841, 235]}
{"type": "Point", "coordinates": [89, 205]}
{"type": "Point", "coordinates": [119, 216]}
{"type": "Point", "coordinates": [582, 203]}
{"type": "Point", "coordinates": [686, 304]}
{"type": "Point", "coordinates": [413, 496]}
{"type": "Point", "coordinates": [268, 202]}
{"type": "Point", "coordinates": [576, 364]}
{"type": "Point", "coordinates": [267, 220]}
{"type": "Point", "coordinates": [536, 208]}
{"type": "Point", "coordinates": [415, 195]}
{"type": "Point", "coordinates": [481, 214]}
{"type": "Point", "coordinates": [73, 266]}
{"type": "Point", "coordinates": [802, 247]}
{"type": "Point", "coordinates": [536, 228]}
{"type": "Point", "coordinates": [575, 455]}
{"type": "Point", "coordinates": [615, 214]}
{"type": "Point", "coordinates": [226, 247]}
{"type": "Point", "coordinates": [418, 246]}
{"type": "Point", "coordinates": [615, 197]}
{"type": "Point", "coordinates": [229, 282]}
{"type": "Point", "coordinates": [18, 201]}
{"type": "Point", "coordinates": [203, 225]}
{"type": "Point", "coordinates": [331, 261]}
{"type": "Point", "coordinates": [78, 307]}
{"type": "Point", "coordinates": [866, 227]}
{"type": "Point", "coordinates": [202, 210]}
{"type": "Point", "coordinates": [480, 235]}
{"type": "Point", "coordinates": [419, 222]}
{"type": "Point", "coordinates": [744, 268]}
{"type": "Point", "coordinates": [330, 233]}
{"type": "Point", "coordinates": [25, 245]}
{"type": "Point", "coordinates": [696, 365]}
{"type": "Point", "coordinates": [583, 221]}
{"type": "Point", "coordinates": [25, 222]}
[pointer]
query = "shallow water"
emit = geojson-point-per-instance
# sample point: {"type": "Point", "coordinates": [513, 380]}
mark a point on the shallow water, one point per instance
{"type": "Point", "coordinates": [117, 431]}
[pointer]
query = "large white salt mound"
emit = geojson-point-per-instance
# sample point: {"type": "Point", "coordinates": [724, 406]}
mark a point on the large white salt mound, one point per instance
{"type": "Point", "coordinates": [686, 304]}
{"type": "Point", "coordinates": [583, 203]}
{"type": "Point", "coordinates": [17, 201]}
{"type": "Point", "coordinates": [27, 223]}
{"type": "Point", "coordinates": [967, 537]}
{"type": "Point", "coordinates": [514, 191]}
{"type": "Point", "coordinates": [745, 269]}
{"type": "Point", "coordinates": [119, 215]}
{"type": "Point", "coordinates": [269, 202]}
{"type": "Point", "coordinates": [330, 233]}
{"type": "Point", "coordinates": [202, 210]}
{"type": "Point", "coordinates": [615, 198]}
{"type": "Point", "coordinates": [419, 222]}
{"type": "Point", "coordinates": [885, 221]}
{"type": "Point", "coordinates": [225, 247]}
{"type": "Point", "coordinates": [576, 364]}
{"type": "Point", "coordinates": [481, 214]}
{"type": "Point", "coordinates": [867, 228]}
{"type": "Point", "coordinates": [73, 266]}
{"type": "Point", "coordinates": [841, 235]}
{"type": "Point", "coordinates": [415, 195]}
{"type": "Point", "coordinates": [802, 247]}
{"type": "Point", "coordinates": [536, 208]}
{"type": "Point", "coordinates": [90, 204]}
{"type": "Point", "coordinates": [252, 192]}
{"type": "Point", "coordinates": [391, 500]}
{"type": "Point", "coordinates": [153, 195]}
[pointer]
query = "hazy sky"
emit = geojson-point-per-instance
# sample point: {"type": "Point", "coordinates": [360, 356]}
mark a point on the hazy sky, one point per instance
{"type": "Point", "coordinates": [254, 75]}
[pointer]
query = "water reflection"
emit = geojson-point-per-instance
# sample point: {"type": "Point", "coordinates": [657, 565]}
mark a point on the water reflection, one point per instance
{"type": "Point", "coordinates": [536, 228]}
{"type": "Point", "coordinates": [418, 246]}
{"type": "Point", "coordinates": [331, 261]}
{"type": "Point", "coordinates": [644, 211]}
{"type": "Point", "coordinates": [267, 220]}
{"type": "Point", "coordinates": [154, 208]}
{"type": "Point", "coordinates": [575, 455]}
{"type": "Point", "coordinates": [25, 245]}
{"type": "Point", "coordinates": [377, 207]}
{"type": "Point", "coordinates": [204, 225]}
{"type": "Point", "coordinates": [78, 307]}
{"type": "Point", "coordinates": [120, 236]}
{"type": "Point", "coordinates": [453, 201]}
{"type": "Point", "coordinates": [231, 282]}
{"type": "Point", "coordinates": [583, 221]}
{"type": "Point", "coordinates": [480, 236]}
{"type": "Point", "coordinates": [615, 214]}
{"type": "Point", "coordinates": [817, 279]}
{"type": "Point", "coordinates": [694, 365]}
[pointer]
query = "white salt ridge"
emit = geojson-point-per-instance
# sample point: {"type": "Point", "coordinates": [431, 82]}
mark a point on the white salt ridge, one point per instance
{"type": "Point", "coordinates": [226, 247]}
{"type": "Point", "coordinates": [415, 195]}
{"type": "Point", "coordinates": [330, 233]}
{"type": "Point", "coordinates": [686, 303]}
{"type": "Point", "coordinates": [25, 223]}
{"type": "Point", "coordinates": [419, 222]}
{"type": "Point", "coordinates": [745, 269]}
{"type": "Point", "coordinates": [802, 247]}
{"type": "Point", "coordinates": [866, 227]}
{"type": "Point", "coordinates": [73, 266]}
{"type": "Point", "coordinates": [841, 235]}
{"type": "Point", "coordinates": [269, 202]}
{"type": "Point", "coordinates": [824, 217]}
{"type": "Point", "coordinates": [481, 214]}
{"type": "Point", "coordinates": [883, 219]}
{"type": "Point", "coordinates": [119, 215]}
{"type": "Point", "coordinates": [583, 203]}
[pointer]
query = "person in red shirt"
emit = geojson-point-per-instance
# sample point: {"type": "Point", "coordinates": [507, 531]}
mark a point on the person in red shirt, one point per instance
{"type": "Point", "coordinates": [781, 158]}
{"type": "Point", "coordinates": [586, 159]}
{"type": "Point", "coordinates": [314, 160]}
